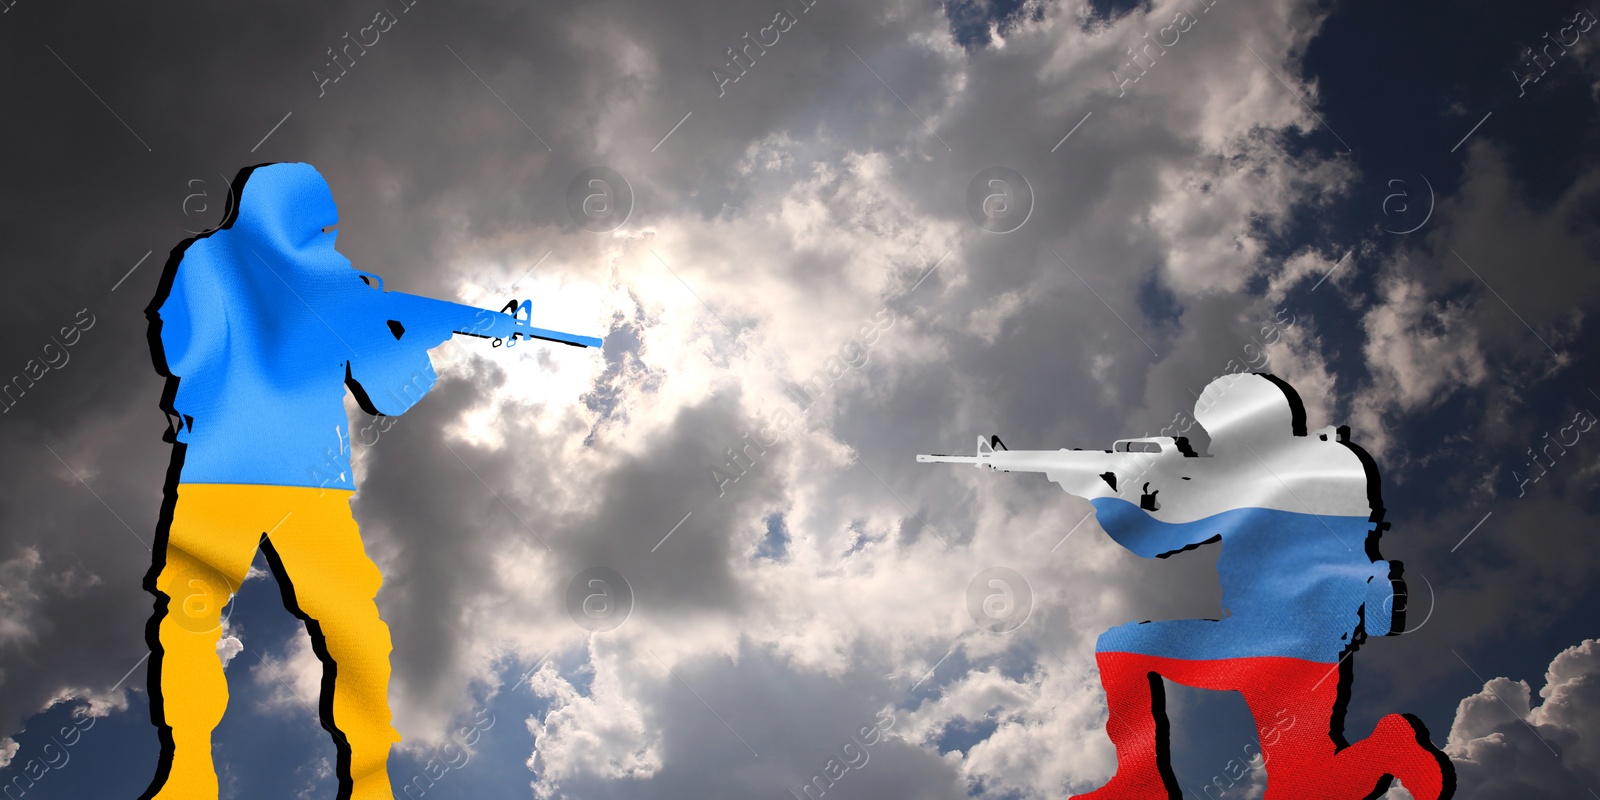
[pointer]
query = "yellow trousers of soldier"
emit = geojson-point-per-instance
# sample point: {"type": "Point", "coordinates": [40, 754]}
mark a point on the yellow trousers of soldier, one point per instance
{"type": "Point", "coordinates": [312, 542]}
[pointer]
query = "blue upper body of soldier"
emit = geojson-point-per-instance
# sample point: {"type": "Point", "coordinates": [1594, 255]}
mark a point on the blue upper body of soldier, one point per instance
{"type": "Point", "coordinates": [265, 325]}
{"type": "Point", "coordinates": [1294, 585]}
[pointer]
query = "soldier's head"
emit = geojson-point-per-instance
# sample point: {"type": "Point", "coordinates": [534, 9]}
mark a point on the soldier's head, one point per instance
{"type": "Point", "coordinates": [288, 205]}
{"type": "Point", "coordinates": [1248, 410]}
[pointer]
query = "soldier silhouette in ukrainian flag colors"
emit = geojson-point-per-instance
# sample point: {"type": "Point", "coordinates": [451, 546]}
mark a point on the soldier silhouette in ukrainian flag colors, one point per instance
{"type": "Point", "coordinates": [260, 327]}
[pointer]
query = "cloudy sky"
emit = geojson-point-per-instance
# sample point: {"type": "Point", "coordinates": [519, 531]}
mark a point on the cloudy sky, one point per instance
{"type": "Point", "coordinates": [1401, 194]}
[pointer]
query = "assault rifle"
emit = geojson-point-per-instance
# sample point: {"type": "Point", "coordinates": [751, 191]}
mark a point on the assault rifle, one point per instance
{"type": "Point", "coordinates": [437, 320]}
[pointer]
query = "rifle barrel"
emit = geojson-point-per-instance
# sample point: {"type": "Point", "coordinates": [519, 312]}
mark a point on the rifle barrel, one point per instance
{"type": "Point", "coordinates": [573, 339]}
{"type": "Point", "coordinates": [1027, 460]}
{"type": "Point", "coordinates": [943, 459]}
{"type": "Point", "coordinates": [445, 315]}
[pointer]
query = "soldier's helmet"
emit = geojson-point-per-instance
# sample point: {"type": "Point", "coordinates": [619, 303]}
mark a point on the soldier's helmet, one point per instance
{"type": "Point", "coordinates": [1242, 411]}
{"type": "Point", "coordinates": [286, 207]}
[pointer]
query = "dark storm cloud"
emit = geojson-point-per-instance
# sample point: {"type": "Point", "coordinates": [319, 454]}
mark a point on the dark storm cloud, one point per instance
{"type": "Point", "coordinates": [451, 512]}
{"type": "Point", "coordinates": [754, 741]}
{"type": "Point", "coordinates": [1168, 207]}
{"type": "Point", "coordinates": [192, 94]}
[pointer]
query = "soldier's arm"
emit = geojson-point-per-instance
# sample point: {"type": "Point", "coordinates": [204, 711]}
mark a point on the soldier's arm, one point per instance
{"type": "Point", "coordinates": [406, 326]}
{"type": "Point", "coordinates": [390, 370]}
{"type": "Point", "coordinates": [192, 317]}
{"type": "Point", "coordinates": [1148, 537]}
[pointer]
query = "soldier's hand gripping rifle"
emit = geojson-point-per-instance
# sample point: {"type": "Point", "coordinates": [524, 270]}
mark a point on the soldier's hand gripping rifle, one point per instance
{"type": "Point", "coordinates": [390, 334]}
{"type": "Point", "coordinates": [435, 321]}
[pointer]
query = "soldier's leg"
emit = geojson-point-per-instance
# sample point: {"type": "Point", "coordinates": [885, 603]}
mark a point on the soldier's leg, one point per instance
{"type": "Point", "coordinates": [207, 551]}
{"type": "Point", "coordinates": [1399, 747]}
{"type": "Point", "coordinates": [1298, 705]}
{"type": "Point", "coordinates": [330, 583]}
{"type": "Point", "coordinates": [1136, 719]}
{"type": "Point", "coordinates": [1295, 703]}
{"type": "Point", "coordinates": [1133, 659]}
{"type": "Point", "coordinates": [1136, 723]}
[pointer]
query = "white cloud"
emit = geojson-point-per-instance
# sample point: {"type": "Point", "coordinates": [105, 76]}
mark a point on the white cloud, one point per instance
{"type": "Point", "coordinates": [767, 230]}
{"type": "Point", "coordinates": [1419, 352]}
{"type": "Point", "coordinates": [1505, 746]}
{"type": "Point", "coordinates": [1049, 731]}
{"type": "Point", "coordinates": [227, 648]}
{"type": "Point", "coordinates": [825, 223]}
{"type": "Point", "coordinates": [292, 681]}
{"type": "Point", "coordinates": [17, 597]}
{"type": "Point", "coordinates": [602, 735]}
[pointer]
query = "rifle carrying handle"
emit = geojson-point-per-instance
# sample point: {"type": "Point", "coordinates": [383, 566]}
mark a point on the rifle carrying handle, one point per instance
{"type": "Point", "coordinates": [369, 278]}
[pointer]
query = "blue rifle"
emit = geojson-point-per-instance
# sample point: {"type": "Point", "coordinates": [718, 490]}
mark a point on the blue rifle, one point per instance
{"type": "Point", "coordinates": [437, 320]}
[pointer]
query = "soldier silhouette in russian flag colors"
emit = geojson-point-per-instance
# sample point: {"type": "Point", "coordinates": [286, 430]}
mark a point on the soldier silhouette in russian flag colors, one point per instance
{"type": "Point", "coordinates": [1298, 515]}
